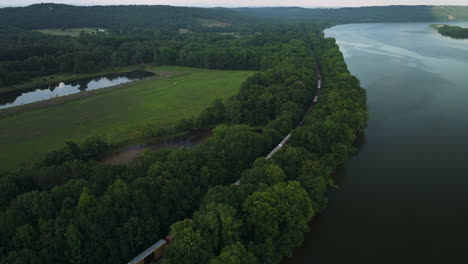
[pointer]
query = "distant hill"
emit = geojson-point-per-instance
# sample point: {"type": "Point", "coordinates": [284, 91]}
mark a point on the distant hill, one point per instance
{"type": "Point", "coordinates": [43, 16]}
{"type": "Point", "coordinates": [66, 16]}
{"type": "Point", "coordinates": [362, 14]}
{"type": "Point", "coordinates": [450, 13]}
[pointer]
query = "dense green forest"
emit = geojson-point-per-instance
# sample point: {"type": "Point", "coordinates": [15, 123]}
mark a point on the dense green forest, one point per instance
{"type": "Point", "coordinates": [151, 34]}
{"type": "Point", "coordinates": [69, 208]}
{"type": "Point", "coordinates": [264, 218]}
{"type": "Point", "coordinates": [453, 31]}
{"type": "Point", "coordinates": [125, 17]}
{"type": "Point", "coordinates": [136, 35]}
{"type": "Point", "coordinates": [41, 16]}
{"type": "Point", "coordinates": [72, 209]}
{"type": "Point", "coordinates": [25, 54]}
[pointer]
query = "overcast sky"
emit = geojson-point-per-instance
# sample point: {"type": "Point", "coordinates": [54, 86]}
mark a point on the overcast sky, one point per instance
{"type": "Point", "coordinates": [233, 3]}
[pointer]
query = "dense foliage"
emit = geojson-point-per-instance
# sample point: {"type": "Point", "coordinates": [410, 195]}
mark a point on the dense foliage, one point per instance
{"type": "Point", "coordinates": [453, 31]}
{"type": "Point", "coordinates": [72, 209]}
{"type": "Point", "coordinates": [29, 54]}
{"type": "Point", "coordinates": [264, 218]}
{"type": "Point", "coordinates": [151, 34]}
{"type": "Point", "coordinates": [116, 18]}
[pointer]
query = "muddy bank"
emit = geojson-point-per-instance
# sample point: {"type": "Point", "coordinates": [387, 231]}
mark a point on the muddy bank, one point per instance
{"type": "Point", "coordinates": [127, 154]}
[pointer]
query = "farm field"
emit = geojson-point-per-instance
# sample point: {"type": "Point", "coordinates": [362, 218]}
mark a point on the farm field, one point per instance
{"type": "Point", "coordinates": [117, 113]}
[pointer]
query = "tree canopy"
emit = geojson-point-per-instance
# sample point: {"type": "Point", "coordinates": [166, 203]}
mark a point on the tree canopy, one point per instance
{"type": "Point", "coordinates": [69, 208]}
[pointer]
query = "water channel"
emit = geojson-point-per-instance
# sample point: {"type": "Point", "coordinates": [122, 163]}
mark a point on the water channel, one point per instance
{"type": "Point", "coordinates": [17, 98]}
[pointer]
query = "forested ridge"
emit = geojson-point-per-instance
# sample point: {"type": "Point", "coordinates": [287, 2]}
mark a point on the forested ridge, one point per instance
{"type": "Point", "coordinates": [372, 14]}
{"type": "Point", "coordinates": [50, 15]}
{"type": "Point", "coordinates": [119, 17]}
{"type": "Point", "coordinates": [69, 208]}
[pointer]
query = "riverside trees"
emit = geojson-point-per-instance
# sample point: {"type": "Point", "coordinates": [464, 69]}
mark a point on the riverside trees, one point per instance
{"type": "Point", "coordinates": [99, 213]}
{"type": "Point", "coordinates": [453, 31]}
{"type": "Point", "coordinates": [278, 197]}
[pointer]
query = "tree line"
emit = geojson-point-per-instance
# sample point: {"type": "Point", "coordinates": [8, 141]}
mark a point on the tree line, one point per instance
{"type": "Point", "coordinates": [264, 218]}
{"type": "Point", "coordinates": [453, 31]}
{"type": "Point", "coordinates": [26, 55]}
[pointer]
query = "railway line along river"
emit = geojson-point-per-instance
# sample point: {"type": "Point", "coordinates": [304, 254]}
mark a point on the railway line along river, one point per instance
{"type": "Point", "coordinates": [404, 197]}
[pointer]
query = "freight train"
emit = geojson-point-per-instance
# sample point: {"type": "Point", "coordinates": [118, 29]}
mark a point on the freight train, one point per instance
{"type": "Point", "coordinates": [153, 253]}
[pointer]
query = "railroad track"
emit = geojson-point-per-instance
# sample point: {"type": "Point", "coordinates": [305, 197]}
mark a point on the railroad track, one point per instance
{"type": "Point", "coordinates": [156, 251]}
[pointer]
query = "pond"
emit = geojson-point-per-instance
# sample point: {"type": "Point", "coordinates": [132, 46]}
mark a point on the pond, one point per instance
{"type": "Point", "coordinates": [129, 153]}
{"type": "Point", "coordinates": [404, 197]}
{"type": "Point", "coordinates": [17, 98]}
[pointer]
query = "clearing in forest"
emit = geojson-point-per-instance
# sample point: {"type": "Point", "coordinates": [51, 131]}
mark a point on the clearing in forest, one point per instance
{"type": "Point", "coordinates": [73, 32]}
{"type": "Point", "coordinates": [117, 113]}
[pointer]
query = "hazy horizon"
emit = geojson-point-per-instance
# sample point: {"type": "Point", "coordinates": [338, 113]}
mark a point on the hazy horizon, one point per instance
{"type": "Point", "coordinates": [242, 3]}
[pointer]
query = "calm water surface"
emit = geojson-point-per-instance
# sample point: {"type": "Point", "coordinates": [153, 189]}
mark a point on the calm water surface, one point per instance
{"type": "Point", "coordinates": [404, 197]}
{"type": "Point", "coordinates": [71, 87]}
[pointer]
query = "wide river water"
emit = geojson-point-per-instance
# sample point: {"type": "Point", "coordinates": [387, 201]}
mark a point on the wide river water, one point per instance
{"type": "Point", "coordinates": [404, 197]}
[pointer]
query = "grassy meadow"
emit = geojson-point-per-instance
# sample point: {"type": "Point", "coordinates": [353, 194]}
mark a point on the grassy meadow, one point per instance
{"type": "Point", "coordinates": [116, 113]}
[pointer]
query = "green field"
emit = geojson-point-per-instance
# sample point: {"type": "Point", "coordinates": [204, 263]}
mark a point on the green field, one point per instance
{"type": "Point", "coordinates": [73, 32]}
{"type": "Point", "coordinates": [117, 113]}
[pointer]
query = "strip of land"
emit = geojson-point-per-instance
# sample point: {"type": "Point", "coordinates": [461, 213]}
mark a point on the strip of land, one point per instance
{"type": "Point", "coordinates": [452, 31]}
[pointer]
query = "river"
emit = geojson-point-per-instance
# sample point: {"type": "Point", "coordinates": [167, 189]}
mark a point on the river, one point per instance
{"type": "Point", "coordinates": [17, 98]}
{"type": "Point", "coordinates": [404, 197]}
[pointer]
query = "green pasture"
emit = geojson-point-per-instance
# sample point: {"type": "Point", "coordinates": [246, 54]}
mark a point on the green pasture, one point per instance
{"type": "Point", "coordinates": [117, 113]}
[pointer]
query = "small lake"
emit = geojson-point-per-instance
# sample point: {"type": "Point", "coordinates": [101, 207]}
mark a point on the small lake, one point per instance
{"type": "Point", "coordinates": [404, 197]}
{"type": "Point", "coordinates": [17, 98]}
{"type": "Point", "coordinates": [127, 154]}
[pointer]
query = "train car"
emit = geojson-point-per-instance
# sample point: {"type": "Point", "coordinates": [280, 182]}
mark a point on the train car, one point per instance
{"type": "Point", "coordinates": [153, 253]}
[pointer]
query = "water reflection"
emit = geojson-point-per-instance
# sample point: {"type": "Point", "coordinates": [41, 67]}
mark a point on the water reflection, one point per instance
{"type": "Point", "coordinates": [69, 87]}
